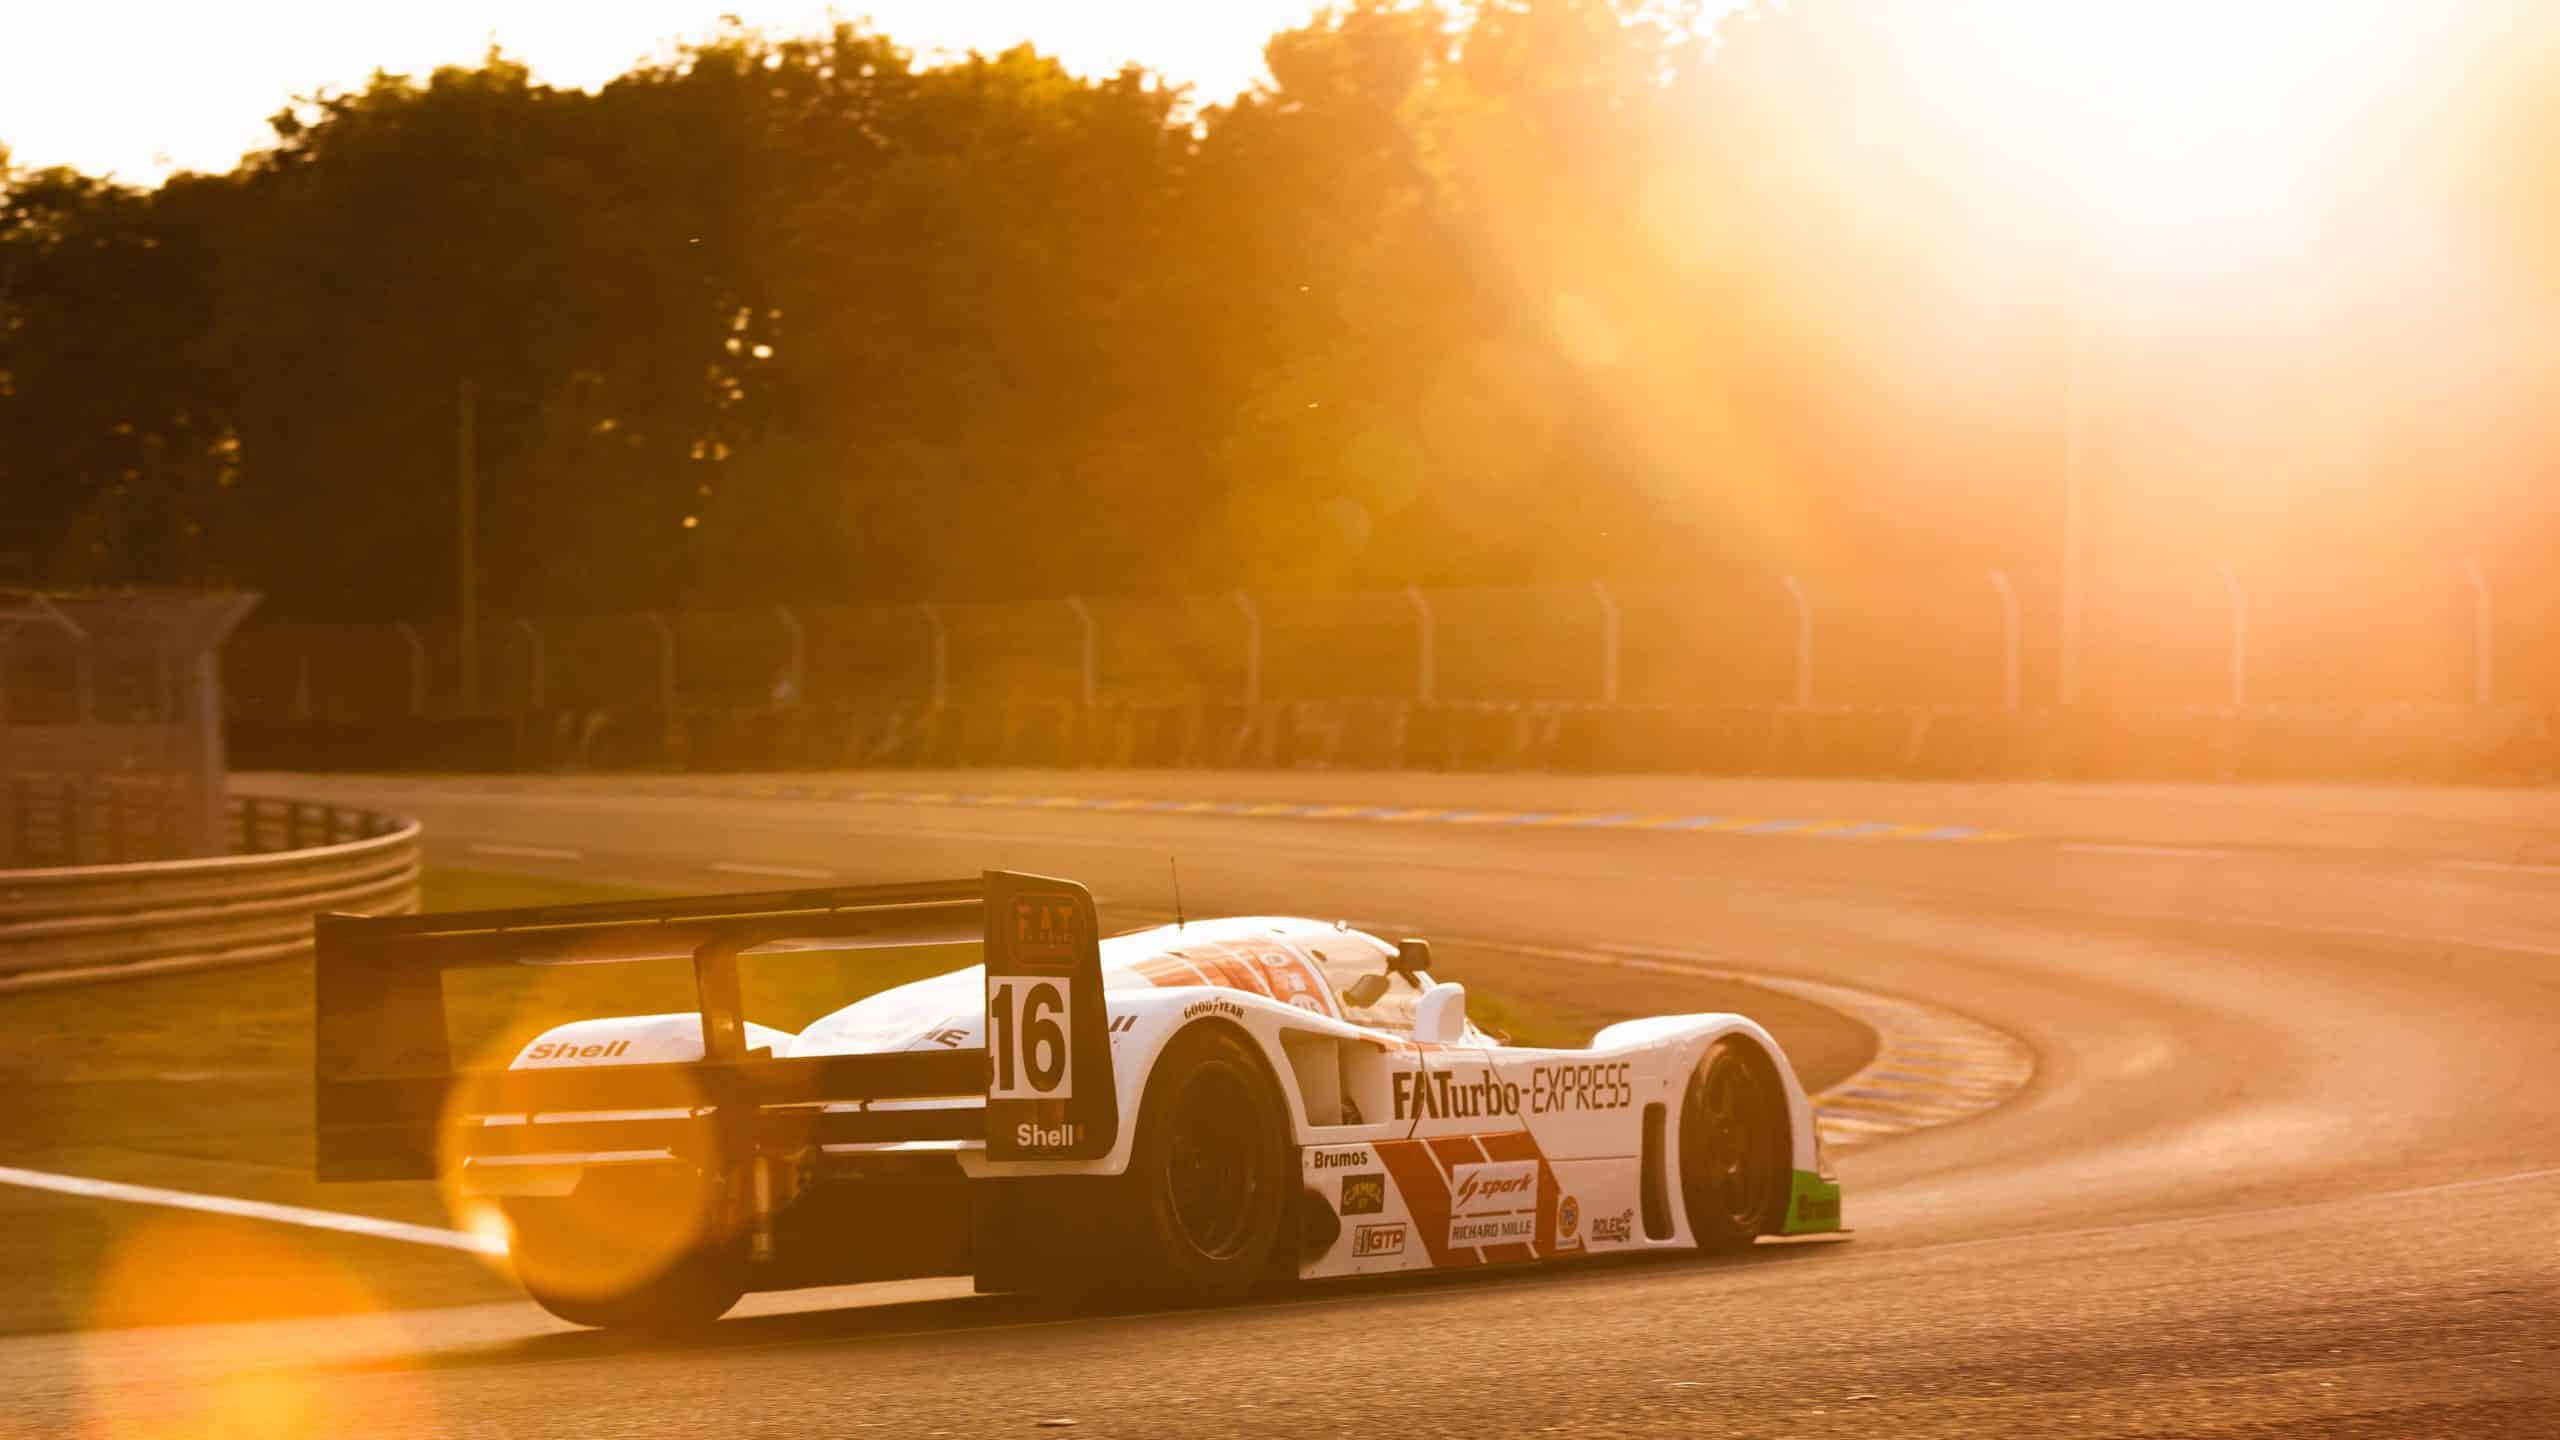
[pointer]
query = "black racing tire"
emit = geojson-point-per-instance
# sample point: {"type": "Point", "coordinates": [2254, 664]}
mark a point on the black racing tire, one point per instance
{"type": "Point", "coordinates": [1210, 1172]}
{"type": "Point", "coordinates": [1735, 1155]}
{"type": "Point", "coordinates": [694, 1287]}
{"type": "Point", "coordinates": [696, 1290]}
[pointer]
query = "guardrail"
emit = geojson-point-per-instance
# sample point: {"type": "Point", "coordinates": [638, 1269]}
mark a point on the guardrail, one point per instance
{"type": "Point", "coordinates": [2408, 744]}
{"type": "Point", "coordinates": [103, 922]}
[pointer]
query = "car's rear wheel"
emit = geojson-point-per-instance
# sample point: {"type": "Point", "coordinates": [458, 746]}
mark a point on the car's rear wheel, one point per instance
{"type": "Point", "coordinates": [1734, 1152]}
{"type": "Point", "coordinates": [1210, 1168]}
{"type": "Point", "coordinates": [697, 1289]}
{"type": "Point", "coordinates": [639, 1252]}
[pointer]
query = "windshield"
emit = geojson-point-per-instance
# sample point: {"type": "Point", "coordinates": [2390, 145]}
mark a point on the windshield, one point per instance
{"type": "Point", "coordinates": [1347, 956]}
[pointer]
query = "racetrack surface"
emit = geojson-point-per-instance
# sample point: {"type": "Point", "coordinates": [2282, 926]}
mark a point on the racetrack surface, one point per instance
{"type": "Point", "coordinates": [2289, 1165]}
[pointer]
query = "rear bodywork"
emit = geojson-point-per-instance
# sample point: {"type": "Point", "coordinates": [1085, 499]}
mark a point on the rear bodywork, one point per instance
{"type": "Point", "coordinates": [972, 1122]}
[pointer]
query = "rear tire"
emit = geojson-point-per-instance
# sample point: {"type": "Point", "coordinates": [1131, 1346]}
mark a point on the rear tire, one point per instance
{"type": "Point", "coordinates": [1210, 1173]}
{"type": "Point", "coordinates": [1734, 1150]}
{"type": "Point", "coordinates": [696, 1290]}
{"type": "Point", "coordinates": [638, 1251]}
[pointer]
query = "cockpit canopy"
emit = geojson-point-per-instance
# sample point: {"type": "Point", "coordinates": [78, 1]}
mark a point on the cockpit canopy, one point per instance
{"type": "Point", "coordinates": [1329, 970]}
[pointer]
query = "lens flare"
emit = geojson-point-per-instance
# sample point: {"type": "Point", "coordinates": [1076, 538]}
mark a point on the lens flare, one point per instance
{"type": "Point", "coordinates": [582, 1232]}
{"type": "Point", "coordinates": [196, 1270]}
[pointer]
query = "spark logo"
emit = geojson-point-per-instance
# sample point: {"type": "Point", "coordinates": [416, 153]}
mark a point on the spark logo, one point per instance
{"type": "Point", "coordinates": [1480, 1190]}
{"type": "Point", "coordinates": [1493, 1204]}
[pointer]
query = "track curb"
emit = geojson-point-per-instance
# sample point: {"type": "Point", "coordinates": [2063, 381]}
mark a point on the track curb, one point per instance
{"type": "Point", "coordinates": [1932, 1066]}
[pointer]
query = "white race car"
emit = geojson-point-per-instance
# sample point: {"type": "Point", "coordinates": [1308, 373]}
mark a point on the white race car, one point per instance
{"type": "Point", "coordinates": [1197, 1110]}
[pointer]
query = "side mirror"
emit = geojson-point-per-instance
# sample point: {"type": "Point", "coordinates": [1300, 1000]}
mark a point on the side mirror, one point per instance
{"type": "Point", "coordinates": [1412, 957]}
{"type": "Point", "coordinates": [1441, 1017]}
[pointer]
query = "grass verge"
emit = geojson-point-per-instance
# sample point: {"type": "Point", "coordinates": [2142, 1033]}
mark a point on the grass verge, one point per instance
{"type": "Point", "coordinates": [202, 1082]}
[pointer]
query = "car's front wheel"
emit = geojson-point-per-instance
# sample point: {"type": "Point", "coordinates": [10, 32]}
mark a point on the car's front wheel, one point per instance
{"type": "Point", "coordinates": [1734, 1150]}
{"type": "Point", "coordinates": [1210, 1168]}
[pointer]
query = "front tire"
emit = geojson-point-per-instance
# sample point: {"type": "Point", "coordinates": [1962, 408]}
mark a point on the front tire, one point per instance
{"type": "Point", "coordinates": [1734, 1150]}
{"type": "Point", "coordinates": [1210, 1171]}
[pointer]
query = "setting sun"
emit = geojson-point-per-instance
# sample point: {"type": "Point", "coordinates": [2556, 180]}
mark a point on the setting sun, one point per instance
{"type": "Point", "coordinates": [2172, 117]}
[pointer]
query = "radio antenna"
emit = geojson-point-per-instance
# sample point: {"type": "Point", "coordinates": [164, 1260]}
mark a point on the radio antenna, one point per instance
{"type": "Point", "coordinates": [1176, 867]}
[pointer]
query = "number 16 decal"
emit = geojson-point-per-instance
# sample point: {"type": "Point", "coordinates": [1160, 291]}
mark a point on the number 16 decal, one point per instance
{"type": "Point", "coordinates": [1029, 1019]}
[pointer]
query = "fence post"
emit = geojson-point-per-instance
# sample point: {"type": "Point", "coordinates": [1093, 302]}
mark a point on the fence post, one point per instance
{"type": "Point", "coordinates": [797, 672]}
{"type": "Point", "coordinates": [1804, 639]}
{"type": "Point", "coordinates": [666, 664]}
{"type": "Point", "coordinates": [1608, 642]}
{"type": "Point", "coordinates": [2483, 632]}
{"type": "Point", "coordinates": [466, 527]}
{"type": "Point", "coordinates": [2008, 639]}
{"type": "Point", "coordinates": [2239, 637]}
{"type": "Point", "coordinates": [1252, 647]}
{"type": "Point", "coordinates": [1092, 645]}
{"type": "Point", "coordinates": [417, 666]}
{"type": "Point", "coordinates": [1426, 683]}
{"type": "Point", "coordinates": [13, 791]}
{"type": "Point", "coordinates": [534, 686]}
{"type": "Point", "coordinates": [941, 652]}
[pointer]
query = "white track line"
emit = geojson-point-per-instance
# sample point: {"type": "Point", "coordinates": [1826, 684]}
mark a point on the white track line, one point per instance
{"type": "Point", "coordinates": [2503, 867]}
{"type": "Point", "coordinates": [2166, 852]}
{"type": "Point", "coordinates": [253, 1210]}
{"type": "Point", "coordinates": [527, 852]}
{"type": "Point", "coordinates": [784, 872]}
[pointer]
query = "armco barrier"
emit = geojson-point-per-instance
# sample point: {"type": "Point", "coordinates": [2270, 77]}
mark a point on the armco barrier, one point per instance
{"type": "Point", "coordinates": [105, 922]}
{"type": "Point", "coordinates": [2491, 744]}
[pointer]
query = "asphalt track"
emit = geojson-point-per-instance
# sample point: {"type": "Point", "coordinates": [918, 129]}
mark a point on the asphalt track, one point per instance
{"type": "Point", "coordinates": [2290, 1163]}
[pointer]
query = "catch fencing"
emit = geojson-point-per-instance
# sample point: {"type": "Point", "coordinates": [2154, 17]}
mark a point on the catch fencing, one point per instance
{"type": "Point", "coordinates": [2441, 672]}
{"type": "Point", "coordinates": [290, 859]}
{"type": "Point", "coordinates": [2438, 634]}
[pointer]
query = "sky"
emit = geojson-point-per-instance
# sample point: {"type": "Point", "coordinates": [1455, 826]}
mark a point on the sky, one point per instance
{"type": "Point", "coordinates": [140, 88]}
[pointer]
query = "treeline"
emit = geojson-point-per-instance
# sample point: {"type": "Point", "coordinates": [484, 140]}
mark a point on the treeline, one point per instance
{"type": "Point", "coordinates": [1536, 289]}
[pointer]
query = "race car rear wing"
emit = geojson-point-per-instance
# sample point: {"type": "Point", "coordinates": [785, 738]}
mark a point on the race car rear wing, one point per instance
{"type": "Point", "coordinates": [387, 1091]}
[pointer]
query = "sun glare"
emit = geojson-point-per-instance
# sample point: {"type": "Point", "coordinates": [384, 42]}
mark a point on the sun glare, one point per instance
{"type": "Point", "coordinates": [2178, 115]}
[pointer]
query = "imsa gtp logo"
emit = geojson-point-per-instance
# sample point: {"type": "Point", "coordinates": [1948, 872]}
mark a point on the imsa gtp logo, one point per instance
{"type": "Point", "coordinates": [1371, 1240]}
